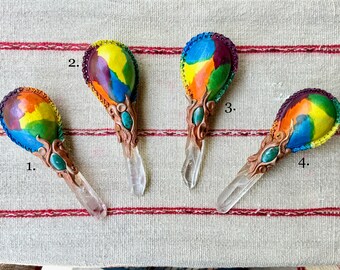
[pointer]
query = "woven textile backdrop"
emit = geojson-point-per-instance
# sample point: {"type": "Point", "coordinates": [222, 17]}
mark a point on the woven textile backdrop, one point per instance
{"type": "Point", "coordinates": [290, 218]}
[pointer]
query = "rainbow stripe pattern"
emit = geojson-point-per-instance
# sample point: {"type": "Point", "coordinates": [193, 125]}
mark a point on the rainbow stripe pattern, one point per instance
{"type": "Point", "coordinates": [28, 112]}
{"type": "Point", "coordinates": [315, 116]}
{"type": "Point", "coordinates": [208, 64]}
{"type": "Point", "coordinates": [111, 71]}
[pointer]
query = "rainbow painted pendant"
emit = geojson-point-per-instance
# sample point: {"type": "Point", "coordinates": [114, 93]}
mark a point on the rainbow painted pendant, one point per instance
{"type": "Point", "coordinates": [208, 65]}
{"type": "Point", "coordinates": [307, 119]}
{"type": "Point", "coordinates": [32, 121]}
{"type": "Point", "coordinates": [111, 72]}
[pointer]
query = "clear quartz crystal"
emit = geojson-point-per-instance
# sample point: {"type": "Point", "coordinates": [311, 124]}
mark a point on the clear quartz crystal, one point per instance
{"type": "Point", "coordinates": [135, 170]}
{"type": "Point", "coordinates": [87, 196]}
{"type": "Point", "coordinates": [192, 163]}
{"type": "Point", "coordinates": [236, 189]}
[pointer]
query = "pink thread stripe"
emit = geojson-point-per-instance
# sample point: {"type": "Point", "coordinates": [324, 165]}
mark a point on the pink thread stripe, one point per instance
{"type": "Point", "coordinates": [167, 132]}
{"type": "Point", "coordinates": [66, 46]}
{"type": "Point", "coordinates": [162, 132]}
{"type": "Point", "coordinates": [328, 211]}
{"type": "Point", "coordinates": [102, 132]}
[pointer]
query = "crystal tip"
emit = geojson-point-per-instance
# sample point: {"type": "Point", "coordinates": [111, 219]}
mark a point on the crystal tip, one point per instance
{"type": "Point", "coordinates": [187, 179]}
{"type": "Point", "coordinates": [223, 208]}
{"type": "Point", "coordinates": [138, 189]}
{"type": "Point", "coordinates": [100, 212]}
{"type": "Point", "coordinates": [191, 165]}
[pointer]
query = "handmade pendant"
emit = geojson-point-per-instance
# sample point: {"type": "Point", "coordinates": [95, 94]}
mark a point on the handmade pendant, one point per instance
{"type": "Point", "coordinates": [306, 120]}
{"type": "Point", "coordinates": [111, 71]}
{"type": "Point", "coordinates": [32, 121]}
{"type": "Point", "coordinates": [208, 65]}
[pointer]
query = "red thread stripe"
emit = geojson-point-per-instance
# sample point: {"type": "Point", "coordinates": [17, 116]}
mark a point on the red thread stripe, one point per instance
{"type": "Point", "coordinates": [328, 211]}
{"type": "Point", "coordinates": [162, 132]}
{"type": "Point", "coordinates": [102, 132]}
{"type": "Point", "coordinates": [166, 132]}
{"type": "Point", "coordinates": [67, 46]}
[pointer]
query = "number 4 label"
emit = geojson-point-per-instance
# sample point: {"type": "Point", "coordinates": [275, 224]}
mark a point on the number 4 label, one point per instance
{"type": "Point", "coordinates": [303, 163]}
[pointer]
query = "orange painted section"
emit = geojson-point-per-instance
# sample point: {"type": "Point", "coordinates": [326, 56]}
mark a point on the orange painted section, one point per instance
{"type": "Point", "coordinates": [302, 107]}
{"type": "Point", "coordinates": [29, 102]}
{"type": "Point", "coordinates": [198, 86]}
{"type": "Point", "coordinates": [100, 90]}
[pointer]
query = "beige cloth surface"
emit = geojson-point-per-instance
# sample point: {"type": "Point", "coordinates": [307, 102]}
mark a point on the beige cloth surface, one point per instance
{"type": "Point", "coordinates": [262, 83]}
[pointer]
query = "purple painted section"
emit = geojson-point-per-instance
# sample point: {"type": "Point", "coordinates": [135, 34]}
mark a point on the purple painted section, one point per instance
{"type": "Point", "coordinates": [12, 114]}
{"type": "Point", "coordinates": [99, 71]}
{"type": "Point", "coordinates": [222, 52]}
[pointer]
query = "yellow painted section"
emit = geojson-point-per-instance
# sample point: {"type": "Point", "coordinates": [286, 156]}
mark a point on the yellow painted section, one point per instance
{"type": "Point", "coordinates": [322, 122]}
{"type": "Point", "coordinates": [115, 57]}
{"type": "Point", "coordinates": [189, 71]}
{"type": "Point", "coordinates": [43, 111]}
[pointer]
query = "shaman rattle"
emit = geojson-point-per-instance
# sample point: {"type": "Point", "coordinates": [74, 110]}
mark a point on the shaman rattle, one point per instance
{"type": "Point", "coordinates": [32, 121]}
{"type": "Point", "coordinates": [208, 65]}
{"type": "Point", "coordinates": [307, 119]}
{"type": "Point", "coordinates": [111, 72]}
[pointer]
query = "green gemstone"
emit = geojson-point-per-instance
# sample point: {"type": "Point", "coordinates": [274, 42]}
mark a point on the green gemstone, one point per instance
{"type": "Point", "coordinates": [270, 154]}
{"type": "Point", "coordinates": [198, 115]}
{"type": "Point", "coordinates": [126, 120]}
{"type": "Point", "coordinates": [57, 162]}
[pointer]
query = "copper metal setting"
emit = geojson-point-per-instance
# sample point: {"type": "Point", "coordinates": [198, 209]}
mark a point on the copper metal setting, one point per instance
{"type": "Point", "coordinates": [274, 138]}
{"type": "Point", "coordinates": [198, 132]}
{"type": "Point", "coordinates": [45, 152]}
{"type": "Point", "coordinates": [127, 137]}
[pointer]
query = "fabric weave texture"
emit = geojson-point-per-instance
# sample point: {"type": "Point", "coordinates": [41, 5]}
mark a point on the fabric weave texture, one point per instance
{"type": "Point", "coordinates": [284, 46]}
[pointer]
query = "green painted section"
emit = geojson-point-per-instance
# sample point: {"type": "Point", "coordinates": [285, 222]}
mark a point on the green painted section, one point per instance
{"type": "Point", "coordinates": [324, 103]}
{"type": "Point", "coordinates": [217, 81]}
{"type": "Point", "coordinates": [47, 130]}
{"type": "Point", "coordinates": [129, 72]}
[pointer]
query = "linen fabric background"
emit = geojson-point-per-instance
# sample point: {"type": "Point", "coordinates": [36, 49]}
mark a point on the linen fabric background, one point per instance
{"type": "Point", "coordinates": [262, 83]}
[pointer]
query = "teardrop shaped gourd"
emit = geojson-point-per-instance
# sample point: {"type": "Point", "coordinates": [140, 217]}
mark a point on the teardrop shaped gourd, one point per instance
{"type": "Point", "coordinates": [310, 116]}
{"type": "Point", "coordinates": [111, 71]}
{"type": "Point", "coordinates": [307, 119]}
{"type": "Point", "coordinates": [26, 113]}
{"type": "Point", "coordinates": [208, 65]}
{"type": "Point", "coordinates": [32, 121]}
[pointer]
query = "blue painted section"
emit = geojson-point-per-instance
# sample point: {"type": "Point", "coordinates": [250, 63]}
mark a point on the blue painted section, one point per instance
{"type": "Point", "coordinates": [200, 51]}
{"type": "Point", "coordinates": [118, 90]}
{"type": "Point", "coordinates": [303, 132]}
{"type": "Point", "coordinates": [25, 139]}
